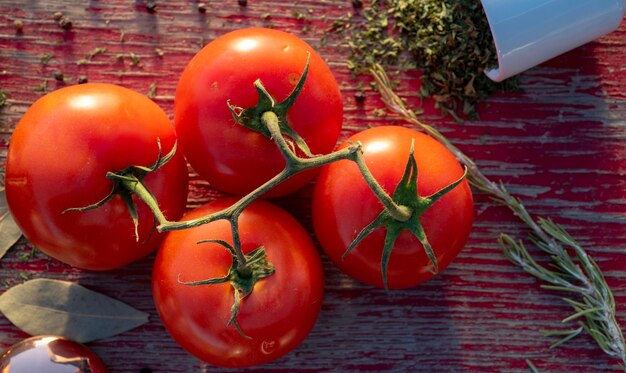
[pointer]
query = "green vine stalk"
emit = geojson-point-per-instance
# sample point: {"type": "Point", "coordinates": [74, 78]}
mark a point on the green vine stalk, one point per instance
{"type": "Point", "coordinates": [594, 308]}
{"type": "Point", "coordinates": [400, 211]}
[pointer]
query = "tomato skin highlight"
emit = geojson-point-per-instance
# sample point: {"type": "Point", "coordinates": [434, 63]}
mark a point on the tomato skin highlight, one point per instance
{"type": "Point", "coordinates": [231, 157]}
{"type": "Point", "coordinates": [343, 205]}
{"type": "Point", "coordinates": [278, 314]}
{"type": "Point", "coordinates": [59, 155]}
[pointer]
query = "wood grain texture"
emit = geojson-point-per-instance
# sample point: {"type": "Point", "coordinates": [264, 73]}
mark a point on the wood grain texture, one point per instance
{"type": "Point", "coordinates": [560, 145]}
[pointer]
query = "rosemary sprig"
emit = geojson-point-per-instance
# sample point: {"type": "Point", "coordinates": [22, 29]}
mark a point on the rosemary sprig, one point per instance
{"type": "Point", "coordinates": [579, 276]}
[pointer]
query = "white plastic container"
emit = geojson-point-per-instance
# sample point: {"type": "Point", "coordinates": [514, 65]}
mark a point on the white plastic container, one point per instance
{"type": "Point", "coordinates": [529, 32]}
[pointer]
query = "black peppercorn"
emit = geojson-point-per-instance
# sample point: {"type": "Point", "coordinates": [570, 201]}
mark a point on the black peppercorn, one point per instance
{"type": "Point", "coordinates": [359, 97]}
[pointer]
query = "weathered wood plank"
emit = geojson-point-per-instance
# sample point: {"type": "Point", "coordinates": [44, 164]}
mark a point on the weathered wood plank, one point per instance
{"type": "Point", "coordinates": [560, 145]}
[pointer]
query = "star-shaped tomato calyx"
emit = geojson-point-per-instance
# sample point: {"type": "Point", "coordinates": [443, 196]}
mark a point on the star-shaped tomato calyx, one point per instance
{"type": "Point", "coordinates": [241, 278]}
{"type": "Point", "coordinates": [406, 196]}
{"type": "Point", "coordinates": [130, 181]}
{"type": "Point", "coordinates": [253, 118]}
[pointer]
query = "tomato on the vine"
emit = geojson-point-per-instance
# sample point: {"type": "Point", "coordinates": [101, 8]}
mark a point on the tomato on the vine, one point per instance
{"type": "Point", "coordinates": [343, 204]}
{"type": "Point", "coordinates": [277, 315]}
{"type": "Point", "coordinates": [58, 159]}
{"type": "Point", "coordinates": [231, 157]}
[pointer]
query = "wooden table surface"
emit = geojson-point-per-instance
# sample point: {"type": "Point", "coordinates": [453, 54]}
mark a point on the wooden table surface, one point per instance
{"type": "Point", "coordinates": [560, 145]}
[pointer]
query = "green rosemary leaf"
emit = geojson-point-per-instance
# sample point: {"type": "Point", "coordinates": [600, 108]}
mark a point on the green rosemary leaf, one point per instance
{"type": "Point", "coordinates": [532, 366]}
{"type": "Point", "coordinates": [553, 333]}
{"type": "Point", "coordinates": [573, 303]}
{"type": "Point", "coordinates": [566, 335]}
{"type": "Point", "coordinates": [599, 337]}
{"type": "Point", "coordinates": [582, 312]}
{"type": "Point", "coordinates": [560, 288]}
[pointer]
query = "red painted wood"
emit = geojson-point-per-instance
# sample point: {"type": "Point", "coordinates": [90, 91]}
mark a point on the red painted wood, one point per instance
{"type": "Point", "coordinates": [560, 145]}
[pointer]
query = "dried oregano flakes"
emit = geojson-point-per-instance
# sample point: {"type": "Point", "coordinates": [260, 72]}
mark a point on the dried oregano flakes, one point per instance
{"type": "Point", "coordinates": [449, 41]}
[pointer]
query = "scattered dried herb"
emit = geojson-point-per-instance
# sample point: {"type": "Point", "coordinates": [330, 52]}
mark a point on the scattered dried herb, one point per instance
{"type": "Point", "coordinates": [300, 16]}
{"type": "Point", "coordinates": [379, 113]}
{"type": "Point", "coordinates": [52, 307]}
{"type": "Point", "coordinates": [27, 255]}
{"type": "Point", "coordinates": [42, 87]}
{"type": "Point", "coordinates": [96, 51]}
{"type": "Point", "coordinates": [82, 79]}
{"type": "Point", "coordinates": [23, 275]}
{"type": "Point", "coordinates": [45, 58]}
{"type": "Point", "coordinates": [159, 52]}
{"type": "Point", "coordinates": [202, 7]}
{"type": "Point", "coordinates": [58, 76]}
{"type": "Point", "coordinates": [242, 2]}
{"type": "Point", "coordinates": [134, 59]}
{"type": "Point", "coordinates": [3, 97]}
{"type": "Point", "coordinates": [152, 92]}
{"type": "Point", "coordinates": [449, 41]}
{"type": "Point", "coordinates": [89, 56]}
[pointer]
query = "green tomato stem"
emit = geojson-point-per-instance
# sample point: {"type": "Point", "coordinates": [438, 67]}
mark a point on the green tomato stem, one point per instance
{"type": "Point", "coordinates": [241, 258]}
{"type": "Point", "coordinates": [398, 212]}
{"type": "Point", "coordinates": [401, 213]}
{"type": "Point", "coordinates": [272, 123]}
{"type": "Point", "coordinates": [140, 190]}
{"type": "Point", "coordinates": [294, 165]}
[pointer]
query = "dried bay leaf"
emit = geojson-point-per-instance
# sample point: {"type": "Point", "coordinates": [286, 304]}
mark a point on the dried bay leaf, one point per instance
{"type": "Point", "coordinates": [9, 231]}
{"type": "Point", "coordinates": [62, 308]}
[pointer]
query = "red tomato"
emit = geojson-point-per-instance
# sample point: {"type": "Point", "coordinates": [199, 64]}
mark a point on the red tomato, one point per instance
{"type": "Point", "coordinates": [343, 205]}
{"type": "Point", "coordinates": [231, 157]}
{"type": "Point", "coordinates": [59, 155]}
{"type": "Point", "coordinates": [50, 354]}
{"type": "Point", "coordinates": [277, 315]}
